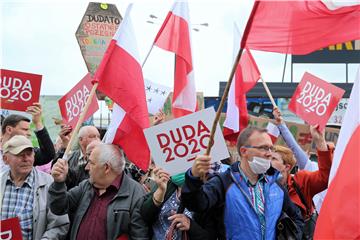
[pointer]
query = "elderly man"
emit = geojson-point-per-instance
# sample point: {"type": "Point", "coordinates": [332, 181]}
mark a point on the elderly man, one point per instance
{"type": "Point", "coordinates": [77, 159]}
{"type": "Point", "coordinates": [252, 201]}
{"type": "Point", "coordinates": [107, 205]}
{"type": "Point", "coordinates": [19, 125]}
{"type": "Point", "coordinates": [24, 193]}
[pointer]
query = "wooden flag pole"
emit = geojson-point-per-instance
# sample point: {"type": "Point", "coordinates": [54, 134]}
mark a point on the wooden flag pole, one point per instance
{"type": "Point", "coordinates": [268, 92]}
{"type": "Point", "coordinates": [222, 102]}
{"type": "Point", "coordinates": [80, 121]}
{"type": "Point", "coordinates": [228, 84]}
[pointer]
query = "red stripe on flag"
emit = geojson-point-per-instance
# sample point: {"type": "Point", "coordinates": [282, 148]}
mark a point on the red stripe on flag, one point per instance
{"type": "Point", "coordinates": [115, 76]}
{"type": "Point", "coordinates": [246, 76]}
{"type": "Point", "coordinates": [174, 36]}
{"type": "Point", "coordinates": [138, 152]}
{"type": "Point", "coordinates": [301, 27]}
{"type": "Point", "coordinates": [120, 77]}
{"type": "Point", "coordinates": [340, 212]}
{"type": "Point", "coordinates": [181, 71]}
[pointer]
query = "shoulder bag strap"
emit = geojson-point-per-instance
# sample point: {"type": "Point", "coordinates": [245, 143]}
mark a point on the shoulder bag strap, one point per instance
{"type": "Point", "coordinates": [301, 195]}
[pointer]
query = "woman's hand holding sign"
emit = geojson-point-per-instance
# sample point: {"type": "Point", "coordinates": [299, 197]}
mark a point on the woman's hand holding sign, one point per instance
{"type": "Point", "coordinates": [161, 179]}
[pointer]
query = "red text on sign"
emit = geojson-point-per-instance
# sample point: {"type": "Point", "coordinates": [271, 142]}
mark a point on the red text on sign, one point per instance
{"type": "Point", "coordinates": [186, 140]}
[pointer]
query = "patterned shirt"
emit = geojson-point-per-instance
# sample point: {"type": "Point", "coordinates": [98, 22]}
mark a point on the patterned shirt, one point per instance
{"type": "Point", "coordinates": [257, 198]}
{"type": "Point", "coordinates": [162, 225]}
{"type": "Point", "coordinates": [18, 202]}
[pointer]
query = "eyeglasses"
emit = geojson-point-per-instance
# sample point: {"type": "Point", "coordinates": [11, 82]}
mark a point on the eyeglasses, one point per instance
{"type": "Point", "coordinates": [261, 148]}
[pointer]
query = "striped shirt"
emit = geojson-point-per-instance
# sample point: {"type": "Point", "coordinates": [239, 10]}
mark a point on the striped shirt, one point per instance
{"type": "Point", "coordinates": [18, 202]}
{"type": "Point", "coordinates": [257, 199]}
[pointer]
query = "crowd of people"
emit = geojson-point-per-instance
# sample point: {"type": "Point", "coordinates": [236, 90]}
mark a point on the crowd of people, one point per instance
{"type": "Point", "coordinates": [96, 193]}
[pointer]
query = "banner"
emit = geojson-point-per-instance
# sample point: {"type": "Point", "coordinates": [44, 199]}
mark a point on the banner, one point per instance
{"type": "Point", "coordinates": [314, 100]}
{"type": "Point", "coordinates": [10, 229]}
{"type": "Point", "coordinates": [96, 29]}
{"type": "Point", "coordinates": [18, 90]}
{"type": "Point", "coordinates": [72, 103]}
{"type": "Point", "coordinates": [175, 144]}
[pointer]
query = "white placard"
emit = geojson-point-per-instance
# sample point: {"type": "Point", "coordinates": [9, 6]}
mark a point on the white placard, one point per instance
{"type": "Point", "coordinates": [156, 95]}
{"type": "Point", "coordinates": [175, 144]}
{"type": "Point", "coordinates": [337, 116]}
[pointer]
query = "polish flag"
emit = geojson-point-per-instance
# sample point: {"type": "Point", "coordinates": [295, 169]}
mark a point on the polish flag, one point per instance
{"type": "Point", "coordinates": [120, 78]}
{"type": "Point", "coordinates": [174, 36]}
{"type": "Point", "coordinates": [273, 132]}
{"type": "Point", "coordinates": [246, 76]}
{"type": "Point", "coordinates": [301, 27]}
{"type": "Point", "coordinates": [340, 212]}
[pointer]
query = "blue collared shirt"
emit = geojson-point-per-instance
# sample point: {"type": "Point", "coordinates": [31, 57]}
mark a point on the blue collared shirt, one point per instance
{"type": "Point", "coordinates": [18, 202]}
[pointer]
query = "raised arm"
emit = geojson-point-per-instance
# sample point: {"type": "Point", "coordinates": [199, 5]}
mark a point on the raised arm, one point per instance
{"type": "Point", "coordinates": [301, 157]}
{"type": "Point", "coordinates": [62, 201]}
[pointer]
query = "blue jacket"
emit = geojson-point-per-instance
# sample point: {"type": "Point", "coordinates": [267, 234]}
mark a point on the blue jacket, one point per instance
{"type": "Point", "coordinates": [240, 218]}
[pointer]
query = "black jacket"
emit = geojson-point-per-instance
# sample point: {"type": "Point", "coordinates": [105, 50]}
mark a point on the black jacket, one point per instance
{"type": "Point", "coordinates": [46, 151]}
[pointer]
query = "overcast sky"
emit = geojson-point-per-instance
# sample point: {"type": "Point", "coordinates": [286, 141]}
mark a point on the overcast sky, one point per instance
{"type": "Point", "coordinates": [39, 37]}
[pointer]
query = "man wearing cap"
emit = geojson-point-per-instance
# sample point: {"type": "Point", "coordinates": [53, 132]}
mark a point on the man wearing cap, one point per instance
{"type": "Point", "coordinates": [24, 193]}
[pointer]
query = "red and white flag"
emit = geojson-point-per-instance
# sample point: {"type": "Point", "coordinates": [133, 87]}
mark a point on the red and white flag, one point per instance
{"type": "Point", "coordinates": [120, 77]}
{"type": "Point", "coordinates": [301, 27]}
{"type": "Point", "coordinates": [174, 36]}
{"type": "Point", "coordinates": [340, 212]}
{"type": "Point", "coordinates": [246, 76]}
{"type": "Point", "coordinates": [273, 132]}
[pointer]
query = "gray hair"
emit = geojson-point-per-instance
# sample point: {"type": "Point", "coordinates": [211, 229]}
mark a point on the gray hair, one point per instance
{"type": "Point", "coordinates": [111, 154]}
{"type": "Point", "coordinates": [85, 129]}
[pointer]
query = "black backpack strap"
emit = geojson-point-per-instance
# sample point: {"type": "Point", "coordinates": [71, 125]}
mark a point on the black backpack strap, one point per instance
{"type": "Point", "coordinates": [301, 195]}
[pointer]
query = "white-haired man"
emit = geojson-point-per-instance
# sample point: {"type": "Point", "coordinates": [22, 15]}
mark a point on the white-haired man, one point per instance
{"type": "Point", "coordinates": [107, 205]}
{"type": "Point", "coordinates": [77, 159]}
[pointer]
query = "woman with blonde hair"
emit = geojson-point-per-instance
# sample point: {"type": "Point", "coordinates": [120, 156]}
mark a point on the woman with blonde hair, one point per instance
{"type": "Point", "coordinates": [303, 185]}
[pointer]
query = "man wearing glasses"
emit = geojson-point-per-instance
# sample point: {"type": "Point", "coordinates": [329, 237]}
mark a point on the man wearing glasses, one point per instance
{"type": "Point", "coordinates": [252, 200]}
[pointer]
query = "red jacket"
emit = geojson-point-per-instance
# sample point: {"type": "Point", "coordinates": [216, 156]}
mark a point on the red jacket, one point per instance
{"type": "Point", "coordinates": [311, 183]}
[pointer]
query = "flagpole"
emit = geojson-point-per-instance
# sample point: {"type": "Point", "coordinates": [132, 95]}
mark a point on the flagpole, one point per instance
{"type": "Point", "coordinates": [228, 84]}
{"type": "Point", "coordinates": [80, 121]}
{"type": "Point", "coordinates": [283, 75]}
{"type": "Point", "coordinates": [268, 92]}
{"type": "Point", "coordinates": [148, 54]}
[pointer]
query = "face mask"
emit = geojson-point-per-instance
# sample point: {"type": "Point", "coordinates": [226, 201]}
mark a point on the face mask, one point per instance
{"type": "Point", "coordinates": [279, 177]}
{"type": "Point", "coordinates": [178, 179]}
{"type": "Point", "coordinates": [259, 165]}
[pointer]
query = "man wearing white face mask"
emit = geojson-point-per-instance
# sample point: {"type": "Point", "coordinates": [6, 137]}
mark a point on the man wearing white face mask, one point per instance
{"type": "Point", "coordinates": [252, 201]}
